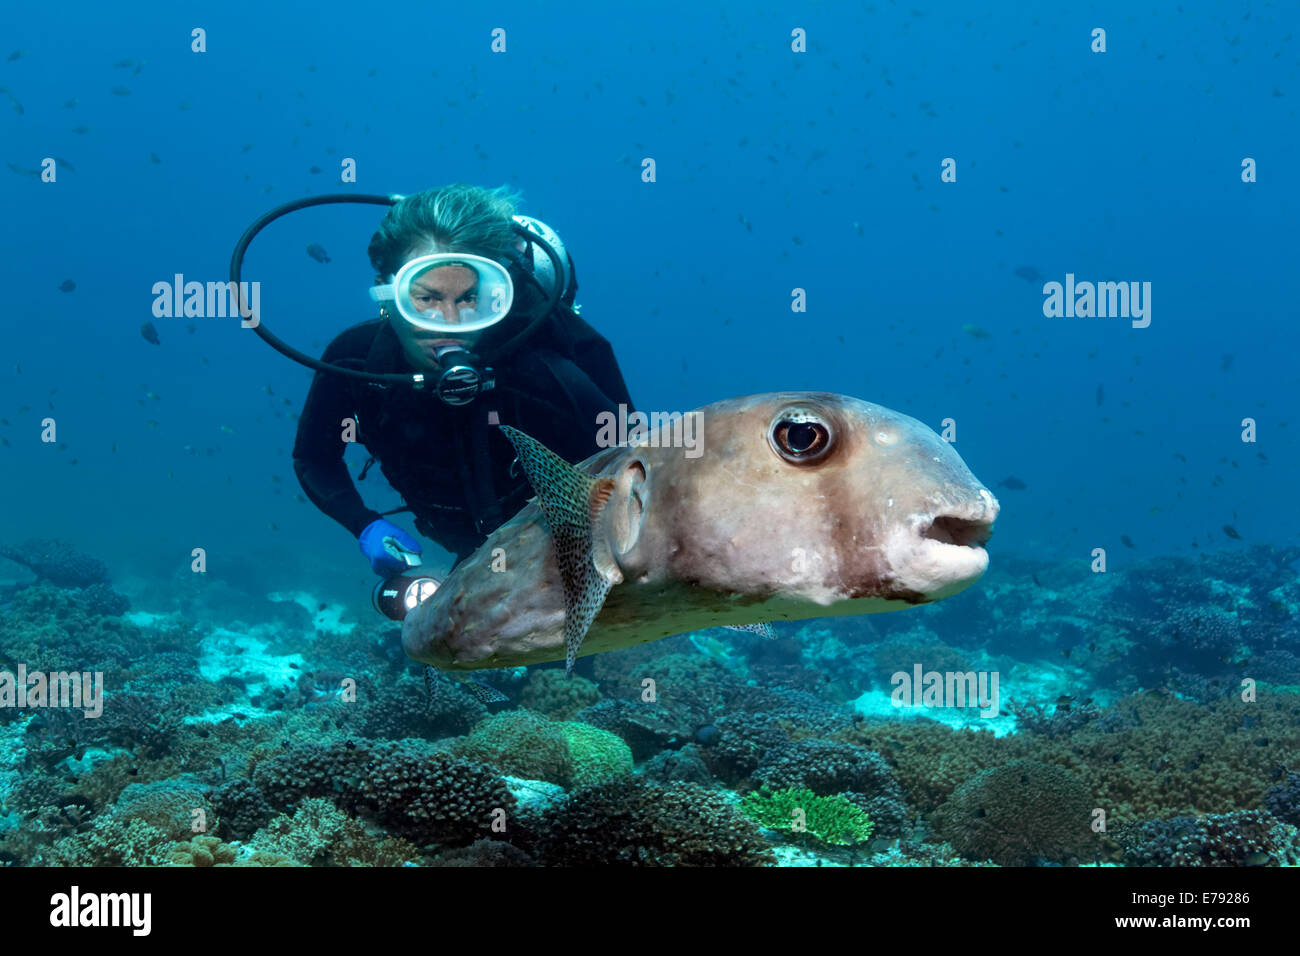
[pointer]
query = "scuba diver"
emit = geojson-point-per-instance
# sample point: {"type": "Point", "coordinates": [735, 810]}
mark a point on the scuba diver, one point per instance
{"type": "Point", "coordinates": [477, 327]}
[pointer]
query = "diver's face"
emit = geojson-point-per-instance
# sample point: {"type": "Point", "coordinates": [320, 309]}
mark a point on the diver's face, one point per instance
{"type": "Point", "coordinates": [446, 289]}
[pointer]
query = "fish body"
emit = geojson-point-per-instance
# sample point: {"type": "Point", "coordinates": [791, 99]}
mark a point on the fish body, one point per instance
{"type": "Point", "coordinates": [792, 505]}
{"type": "Point", "coordinates": [150, 334]}
{"type": "Point", "coordinates": [67, 285]}
{"type": "Point", "coordinates": [317, 252]}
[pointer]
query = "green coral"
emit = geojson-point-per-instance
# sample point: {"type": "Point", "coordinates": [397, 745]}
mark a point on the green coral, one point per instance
{"type": "Point", "coordinates": [832, 820]}
{"type": "Point", "coordinates": [597, 756]}
{"type": "Point", "coordinates": [521, 744]}
{"type": "Point", "coordinates": [527, 745]}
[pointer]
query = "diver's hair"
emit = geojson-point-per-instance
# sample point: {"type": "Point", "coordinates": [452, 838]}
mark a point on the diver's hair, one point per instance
{"type": "Point", "coordinates": [458, 218]}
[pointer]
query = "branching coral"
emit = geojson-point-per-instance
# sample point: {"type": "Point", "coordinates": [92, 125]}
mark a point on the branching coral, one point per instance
{"type": "Point", "coordinates": [634, 823]}
{"type": "Point", "coordinates": [833, 820]}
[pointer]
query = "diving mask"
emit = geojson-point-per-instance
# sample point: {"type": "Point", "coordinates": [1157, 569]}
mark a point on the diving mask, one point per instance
{"type": "Point", "coordinates": [449, 292]}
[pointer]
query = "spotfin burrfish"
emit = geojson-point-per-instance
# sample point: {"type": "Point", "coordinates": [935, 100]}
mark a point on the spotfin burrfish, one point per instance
{"type": "Point", "coordinates": [782, 506]}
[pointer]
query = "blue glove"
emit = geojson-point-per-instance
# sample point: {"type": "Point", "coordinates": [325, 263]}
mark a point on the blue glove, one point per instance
{"type": "Point", "coordinates": [388, 548]}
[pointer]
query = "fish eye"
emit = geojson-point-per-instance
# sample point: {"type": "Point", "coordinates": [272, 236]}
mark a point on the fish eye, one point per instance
{"type": "Point", "coordinates": [800, 436]}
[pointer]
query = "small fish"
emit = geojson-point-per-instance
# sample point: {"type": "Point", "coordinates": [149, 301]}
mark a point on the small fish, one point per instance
{"type": "Point", "coordinates": [17, 55]}
{"type": "Point", "coordinates": [315, 171]}
{"type": "Point", "coordinates": [18, 107]}
{"type": "Point", "coordinates": [227, 429]}
{"type": "Point", "coordinates": [150, 334]}
{"type": "Point", "coordinates": [153, 158]}
{"type": "Point", "coordinates": [1226, 363]}
{"type": "Point", "coordinates": [124, 64]}
{"type": "Point", "coordinates": [1012, 483]}
{"type": "Point", "coordinates": [317, 252]}
{"type": "Point", "coordinates": [151, 423]}
{"type": "Point", "coordinates": [975, 332]}
{"type": "Point", "coordinates": [120, 91]}
{"type": "Point", "coordinates": [154, 395]}
{"type": "Point", "coordinates": [81, 130]}
{"type": "Point", "coordinates": [65, 164]}
{"type": "Point", "coordinates": [1028, 273]}
{"type": "Point", "coordinates": [1128, 542]}
{"type": "Point", "coordinates": [67, 285]}
{"type": "Point", "coordinates": [1065, 700]}
{"type": "Point", "coordinates": [70, 104]}
{"type": "Point", "coordinates": [1101, 395]}
{"type": "Point", "coordinates": [1231, 532]}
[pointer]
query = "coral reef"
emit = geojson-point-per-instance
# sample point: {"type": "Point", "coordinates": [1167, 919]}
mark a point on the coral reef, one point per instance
{"type": "Point", "coordinates": [549, 692]}
{"type": "Point", "coordinates": [241, 807]}
{"type": "Point", "coordinates": [1243, 838]}
{"type": "Point", "coordinates": [520, 743]}
{"type": "Point", "coordinates": [1283, 801]}
{"type": "Point", "coordinates": [798, 811]}
{"type": "Point", "coordinates": [1020, 814]}
{"type": "Point", "coordinates": [637, 823]}
{"type": "Point", "coordinates": [596, 756]}
{"type": "Point", "coordinates": [319, 834]}
{"type": "Point", "coordinates": [405, 786]}
{"type": "Point", "coordinates": [825, 768]}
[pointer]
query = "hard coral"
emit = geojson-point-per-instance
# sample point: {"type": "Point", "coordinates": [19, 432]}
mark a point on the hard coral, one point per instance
{"type": "Point", "coordinates": [635, 823]}
{"type": "Point", "coordinates": [410, 789]}
{"type": "Point", "coordinates": [1244, 838]}
{"type": "Point", "coordinates": [520, 743]}
{"type": "Point", "coordinates": [828, 769]}
{"type": "Point", "coordinates": [1020, 814]}
{"type": "Point", "coordinates": [832, 820]}
{"type": "Point", "coordinates": [549, 692]}
{"type": "Point", "coordinates": [319, 834]}
{"type": "Point", "coordinates": [242, 808]}
{"type": "Point", "coordinates": [596, 756]}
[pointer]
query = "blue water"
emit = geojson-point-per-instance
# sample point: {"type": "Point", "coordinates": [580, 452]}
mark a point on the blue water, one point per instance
{"type": "Point", "coordinates": [775, 171]}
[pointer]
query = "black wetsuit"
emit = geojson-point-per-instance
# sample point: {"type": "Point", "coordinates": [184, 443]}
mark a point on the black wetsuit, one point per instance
{"type": "Point", "coordinates": [449, 464]}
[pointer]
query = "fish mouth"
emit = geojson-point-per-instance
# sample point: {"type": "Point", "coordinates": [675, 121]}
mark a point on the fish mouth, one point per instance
{"type": "Point", "coordinates": [959, 531]}
{"type": "Point", "coordinates": [943, 552]}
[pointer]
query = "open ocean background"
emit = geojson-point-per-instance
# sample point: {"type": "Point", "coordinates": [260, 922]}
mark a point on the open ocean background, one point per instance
{"type": "Point", "coordinates": [774, 171]}
{"type": "Point", "coordinates": [1117, 165]}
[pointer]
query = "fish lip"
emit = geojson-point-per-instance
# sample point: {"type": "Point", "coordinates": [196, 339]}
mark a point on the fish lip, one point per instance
{"type": "Point", "coordinates": [967, 525]}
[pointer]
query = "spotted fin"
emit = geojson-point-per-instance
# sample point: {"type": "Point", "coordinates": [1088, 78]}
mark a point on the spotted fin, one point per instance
{"type": "Point", "coordinates": [761, 629]}
{"type": "Point", "coordinates": [474, 685]}
{"type": "Point", "coordinates": [571, 501]}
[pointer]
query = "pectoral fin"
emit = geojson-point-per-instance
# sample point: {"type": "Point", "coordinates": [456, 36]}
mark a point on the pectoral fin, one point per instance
{"type": "Point", "coordinates": [571, 501]}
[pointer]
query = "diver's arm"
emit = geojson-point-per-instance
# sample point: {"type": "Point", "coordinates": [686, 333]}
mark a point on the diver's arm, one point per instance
{"type": "Point", "coordinates": [318, 453]}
